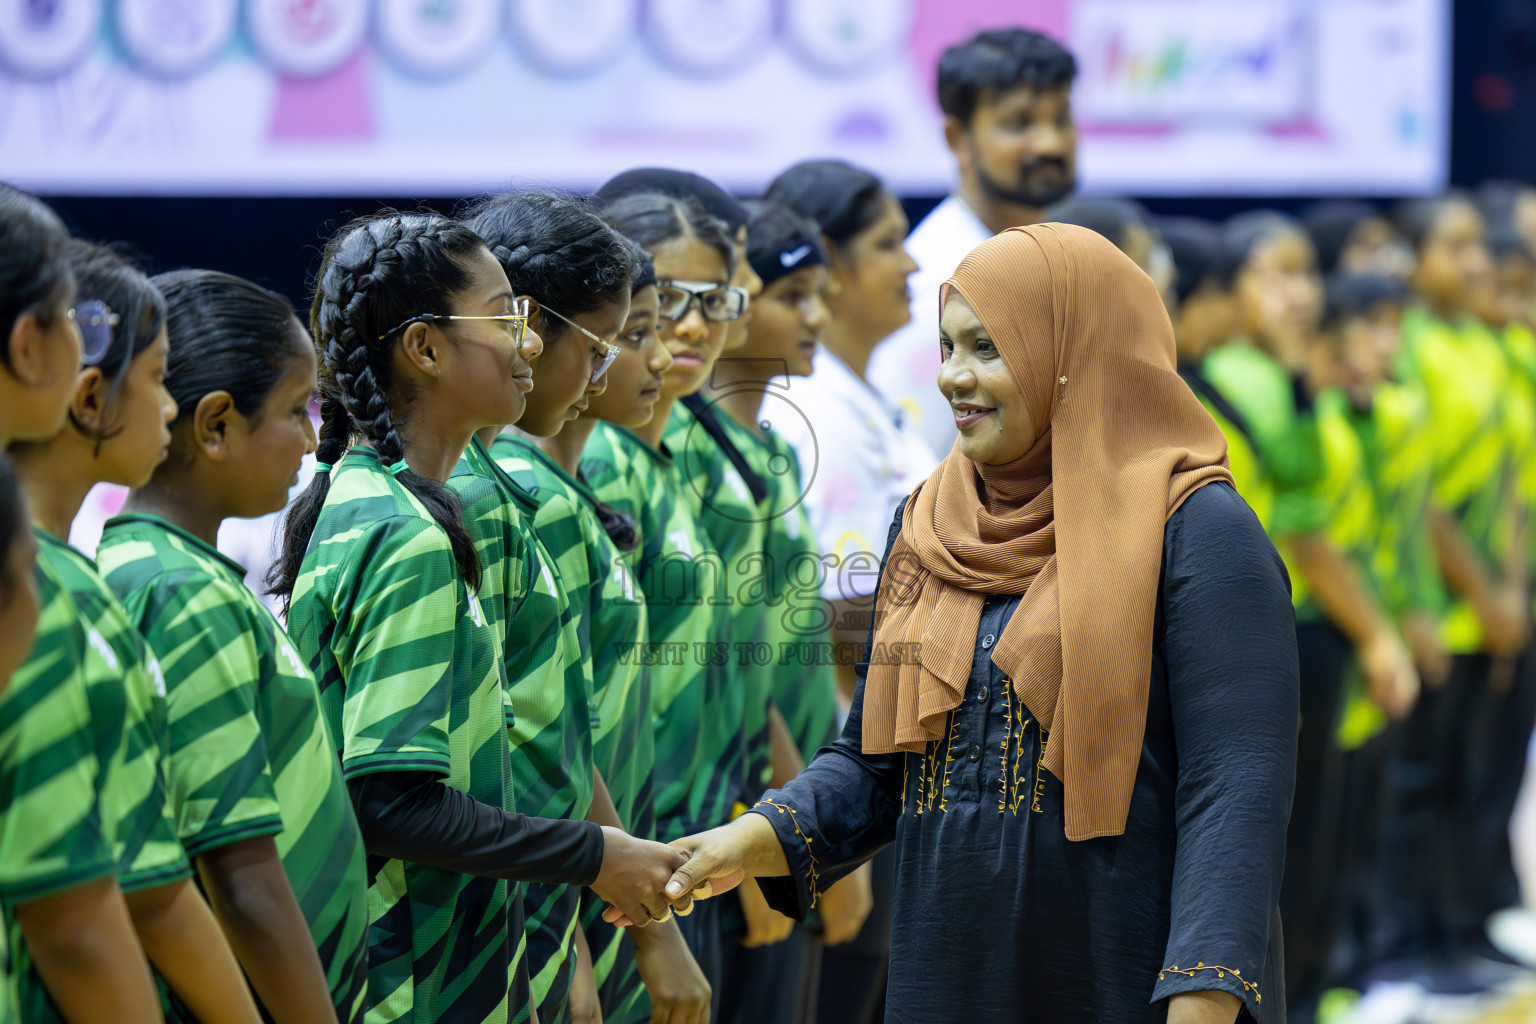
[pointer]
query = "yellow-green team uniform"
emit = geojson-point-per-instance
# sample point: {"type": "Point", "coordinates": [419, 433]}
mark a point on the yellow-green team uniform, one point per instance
{"type": "Point", "coordinates": [1249, 475]}
{"type": "Point", "coordinates": [126, 691]}
{"type": "Point", "coordinates": [1282, 436]}
{"type": "Point", "coordinates": [1465, 374]}
{"type": "Point", "coordinates": [229, 666]}
{"type": "Point", "coordinates": [609, 613]}
{"type": "Point", "coordinates": [51, 834]}
{"type": "Point", "coordinates": [410, 679]}
{"type": "Point", "coordinates": [548, 686]}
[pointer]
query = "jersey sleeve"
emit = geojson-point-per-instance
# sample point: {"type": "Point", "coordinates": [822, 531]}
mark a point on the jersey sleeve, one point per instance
{"type": "Point", "coordinates": [218, 773]}
{"type": "Point", "coordinates": [398, 604]}
{"type": "Point", "coordinates": [51, 839]}
{"type": "Point", "coordinates": [153, 851]}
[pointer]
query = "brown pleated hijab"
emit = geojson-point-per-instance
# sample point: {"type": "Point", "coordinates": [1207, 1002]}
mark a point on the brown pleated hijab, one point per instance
{"type": "Point", "coordinates": [1075, 525]}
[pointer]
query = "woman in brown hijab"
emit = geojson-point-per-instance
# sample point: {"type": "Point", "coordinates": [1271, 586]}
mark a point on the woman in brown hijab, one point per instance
{"type": "Point", "coordinates": [1077, 716]}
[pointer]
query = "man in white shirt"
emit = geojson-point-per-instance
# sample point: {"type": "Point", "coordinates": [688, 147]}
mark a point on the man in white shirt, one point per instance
{"type": "Point", "coordinates": [1006, 98]}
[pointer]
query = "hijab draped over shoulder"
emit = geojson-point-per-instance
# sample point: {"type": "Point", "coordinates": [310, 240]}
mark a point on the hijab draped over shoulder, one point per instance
{"type": "Point", "coordinates": [1075, 525]}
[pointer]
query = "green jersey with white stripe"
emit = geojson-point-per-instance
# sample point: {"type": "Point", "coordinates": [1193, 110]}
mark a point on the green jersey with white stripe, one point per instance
{"type": "Point", "coordinates": [51, 835]}
{"type": "Point", "coordinates": [728, 511]}
{"type": "Point", "coordinates": [228, 660]}
{"type": "Point", "coordinates": [798, 670]}
{"type": "Point", "coordinates": [548, 681]}
{"type": "Point", "coordinates": [682, 577]}
{"type": "Point", "coordinates": [410, 679]}
{"type": "Point", "coordinates": [610, 617]}
{"type": "Point", "coordinates": [126, 689]}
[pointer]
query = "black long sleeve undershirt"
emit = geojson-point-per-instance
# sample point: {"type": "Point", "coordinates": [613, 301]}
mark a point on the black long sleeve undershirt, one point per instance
{"type": "Point", "coordinates": [414, 817]}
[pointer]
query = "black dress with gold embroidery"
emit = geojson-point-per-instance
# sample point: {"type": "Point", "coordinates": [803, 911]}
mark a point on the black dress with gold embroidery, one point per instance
{"type": "Point", "coordinates": [998, 917]}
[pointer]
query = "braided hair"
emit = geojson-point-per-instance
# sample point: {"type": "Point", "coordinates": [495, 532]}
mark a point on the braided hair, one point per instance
{"type": "Point", "coordinates": [555, 249]}
{"type": "Point", "coordinates": [377, 272]}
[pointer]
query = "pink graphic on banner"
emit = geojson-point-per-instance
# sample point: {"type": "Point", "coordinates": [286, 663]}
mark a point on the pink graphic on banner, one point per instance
{"type": "Point", "coordinates": [939, 24]}
{"type": "Point", "coordinates": [335, 107]}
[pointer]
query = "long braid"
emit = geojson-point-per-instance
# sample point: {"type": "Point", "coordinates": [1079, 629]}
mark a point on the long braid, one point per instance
{"type": "Point", "coordinates": [376, 273]}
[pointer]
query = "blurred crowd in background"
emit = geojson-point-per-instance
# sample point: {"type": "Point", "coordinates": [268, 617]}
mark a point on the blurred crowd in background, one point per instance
{"type": "Point", "coordinates": [1373, 368]}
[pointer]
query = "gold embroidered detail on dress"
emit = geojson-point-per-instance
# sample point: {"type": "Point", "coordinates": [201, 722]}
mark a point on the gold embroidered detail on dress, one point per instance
{"type": "Point", "coordinates": [949, 762]}
{"type": "Point", "coordinates": [809, 853]}
{"type": "Point", "coordinates": [1221, 972]}
{"type": "Point", "coordinates": [1039, 774]}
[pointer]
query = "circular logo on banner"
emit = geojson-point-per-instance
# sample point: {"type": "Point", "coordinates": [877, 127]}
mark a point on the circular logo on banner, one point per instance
{"type": "Point", "coordinates": [438, 37]}
{"type": "Point", "coordinates": [572, 36]}
{"type": "Point", "coordinates": [175, 37]}
{"type": "Point", "coordinates": [45, 38]}
{"type": "Point", "coordinates": [306, 38]}
{"type": "Point", "coordinates": [847, 35]}
{"type": "Point", "coordinates": [709, 36]}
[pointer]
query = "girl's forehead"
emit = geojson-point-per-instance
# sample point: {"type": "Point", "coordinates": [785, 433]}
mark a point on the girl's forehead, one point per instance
{"type": "Point", "coordinates": [689, 259]}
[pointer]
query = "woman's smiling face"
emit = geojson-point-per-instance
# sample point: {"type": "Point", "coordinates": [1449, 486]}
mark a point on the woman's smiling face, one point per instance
{"type": "Point", "coordinates": [990, 411]}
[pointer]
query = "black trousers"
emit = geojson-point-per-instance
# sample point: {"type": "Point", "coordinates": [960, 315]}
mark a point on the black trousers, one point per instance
{"type": "Point", "coordinates": [771, 984]}
{"type": "Point", "coordinates": [1313, 841]}
{"type": "Point", "coordinates": [1426, 784]}
{"type": "Point", "coordinates": [1500, 716]}
{"type": "Point", "coordinates": [853, 974]}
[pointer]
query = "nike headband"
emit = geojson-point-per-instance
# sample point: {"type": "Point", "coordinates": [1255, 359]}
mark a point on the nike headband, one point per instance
{"type": "Point", "coordinates": [781, 241]}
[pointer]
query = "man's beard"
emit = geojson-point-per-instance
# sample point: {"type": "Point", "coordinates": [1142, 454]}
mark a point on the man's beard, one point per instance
{"type": "Point", "coordinates": [1040, 196]}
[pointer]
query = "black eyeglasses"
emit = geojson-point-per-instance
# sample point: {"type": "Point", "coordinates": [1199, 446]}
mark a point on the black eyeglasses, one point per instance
{"type": "Point", "coordinates": [605, 352]}
{"type": "Point", "coordinates": [96, 321]}
{"type": "Point", "coordinates": [516, 322]}
{"type": "Point", "coordinates": [717, 302]}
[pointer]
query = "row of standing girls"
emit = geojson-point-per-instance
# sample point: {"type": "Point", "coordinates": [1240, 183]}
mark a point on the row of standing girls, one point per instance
{"type": "Point", "coordinates": [528, 594]}
{"type": "Point", "coordinates": [1375, 381]}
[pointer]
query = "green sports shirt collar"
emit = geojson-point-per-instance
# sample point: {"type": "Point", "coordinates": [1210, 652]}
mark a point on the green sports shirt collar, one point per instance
{"type": "Point", "coordinates": [128, 518]}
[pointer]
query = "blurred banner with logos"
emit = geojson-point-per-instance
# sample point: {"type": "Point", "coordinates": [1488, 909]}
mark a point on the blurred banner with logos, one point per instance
{"type": "Point", "coordinates": [451, 97]}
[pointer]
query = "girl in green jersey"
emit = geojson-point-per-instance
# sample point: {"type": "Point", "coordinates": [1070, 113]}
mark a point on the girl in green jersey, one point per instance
{"type": "Point", "coordinates": [421, 344]}
{"type": "Point", "coordinates": [575, 271]}
{"type": "Point", "coordinates": [269, 822]}
{"type": "Point", "coordinates": [580, 271]}
{"type": "Point", "coordinates": [18, 625]}
{"type": "Point", "coordinates": [696, 704]}
{"type": "Point", "coordinates": [117, 434]}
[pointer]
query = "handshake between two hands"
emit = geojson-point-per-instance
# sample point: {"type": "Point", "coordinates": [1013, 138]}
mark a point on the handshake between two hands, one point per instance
{"type": "Point", "coordinates": [645, 882]}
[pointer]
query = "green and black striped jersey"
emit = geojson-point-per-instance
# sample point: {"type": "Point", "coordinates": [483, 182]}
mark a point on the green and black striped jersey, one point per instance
{"type": "Point", "coordinates": [126, 690]}
{"type": "Point", "coordinates": [727, 510]}
{"type": "Point", "coordinates": [696, 719]}
{"type": "Point", "coordinates": [797, 664]}
{"type": "Point", "coordinates": [410, 678]}
{"type": "Point", "coordinates": [610, 618]}
{"type": "Point", "coordinates": [548, 682]}
{"type": "Point", "coordinates": [228, 661]}
{"type": "Point", "coordinates": [51, 835]}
